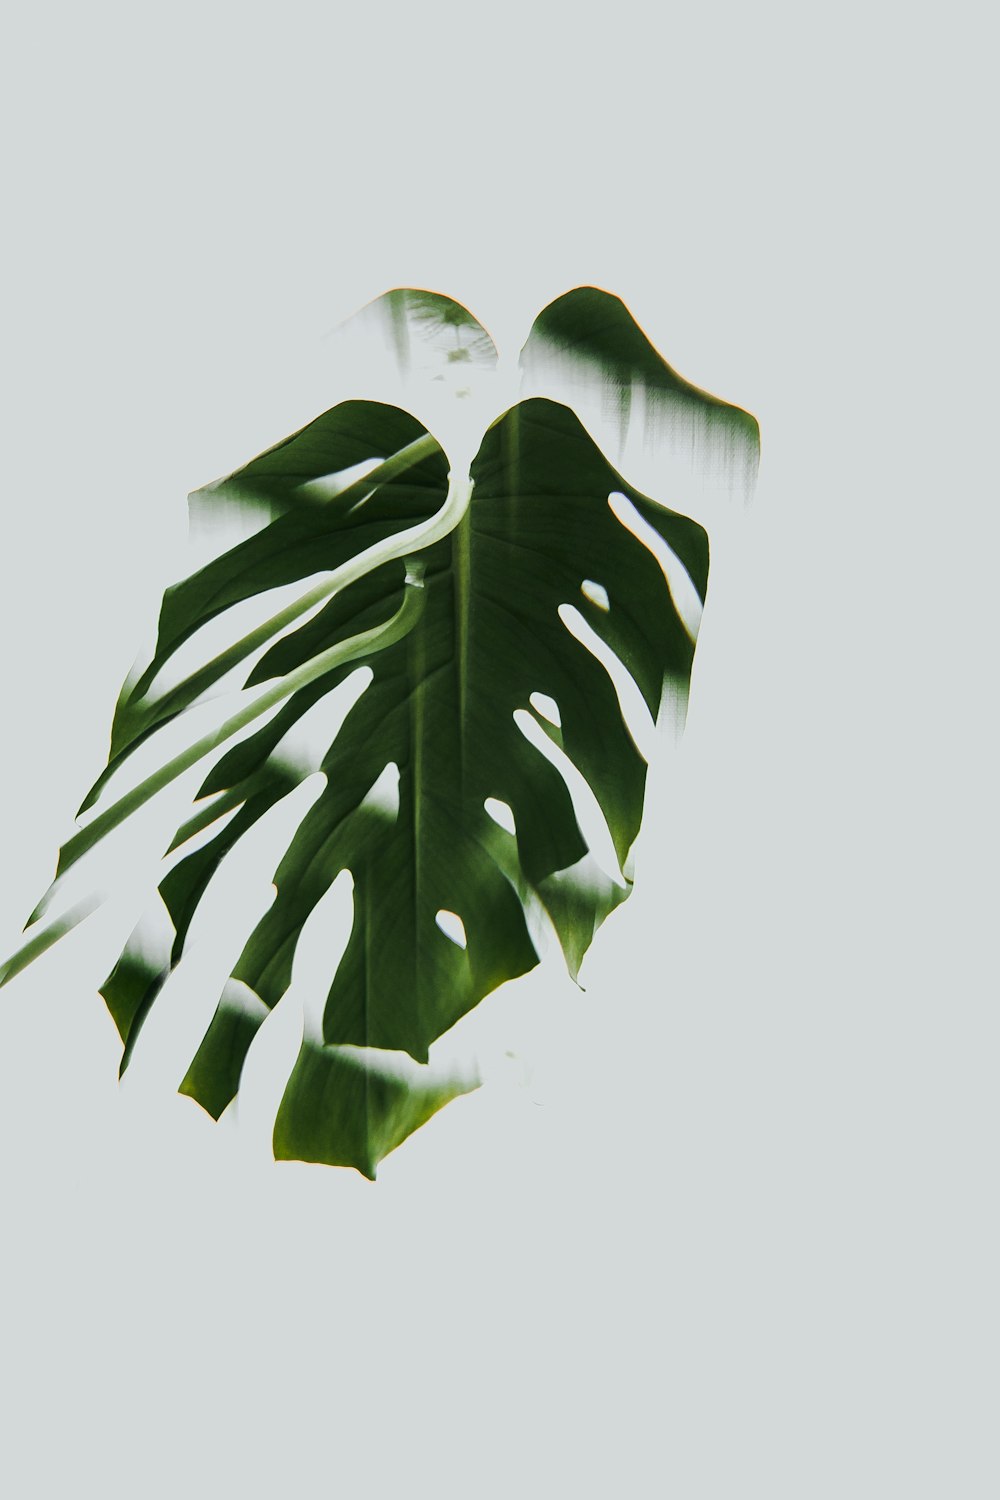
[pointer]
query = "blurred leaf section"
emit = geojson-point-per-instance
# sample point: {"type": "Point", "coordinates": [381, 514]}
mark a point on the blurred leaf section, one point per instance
{"type": "Point", "coordinates": [429, 334]}
{"type": "Point", "coordinates": [586, 349]}
{"type": "Point", "coordinates": [425, 352]}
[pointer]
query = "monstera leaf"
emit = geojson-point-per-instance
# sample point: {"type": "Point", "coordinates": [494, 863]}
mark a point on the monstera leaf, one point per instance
{"type": "Point", "coordinates": [586, 349]}
{"type": "Point", "coordinates": [457, 591]}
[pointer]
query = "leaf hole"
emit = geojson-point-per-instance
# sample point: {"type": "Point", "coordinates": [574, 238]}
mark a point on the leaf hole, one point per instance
{"type": "Point", "coordinates": [322, 941]}
{"type": "Point", "coordinates": [501, 813]}
{"type": "Point", "coordinates": [547, 707]}
{"type": "Point", "coordinates": [682, 591]}
{"type": "Point", "coordinates": [638, 720]}
{"type": "Point", "coordinates": [327, 486]}
{"type": "Point", "coordinates": [305, 745]}
{"type": "Point", "coordinates": [451, 924]}
{"type": "Point", "coordinates": [384, 791]}
{"type": "Point", "coordinates": [596, 593]}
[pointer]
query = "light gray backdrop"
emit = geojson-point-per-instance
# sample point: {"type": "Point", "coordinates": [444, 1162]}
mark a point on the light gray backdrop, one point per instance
{"type": "Point", "coordinates": [725, 1226]}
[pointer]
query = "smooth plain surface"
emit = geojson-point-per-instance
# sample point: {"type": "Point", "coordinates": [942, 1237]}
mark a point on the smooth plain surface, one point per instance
{"type": "Point", "coordinates": [726, 1224]}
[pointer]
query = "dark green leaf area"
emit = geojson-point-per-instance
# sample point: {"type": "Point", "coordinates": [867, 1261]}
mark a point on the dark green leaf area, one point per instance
{"type": "Point", "coordinates": [129, 992]}
{"type": "Point", "coordinates": [294, 547]}
{"type": "Point", "coordinates": [348, 434]}
{"type": "Point", "coordinates": [248, 781]}
{"type": "Point", "coordinates": [213, 1078]}
{"type": "Point", "coordinates": [370, 601]}
{"type": "Point", "coordinates": [401, 982]}
{"type": "Point", "coordinates": [594, 330]}
{"type": "Point", "coordinates": [308, 538]}
{"type": "Point", "coordinates": [542, 489]}
{"type": "Point", "coordinates": [440, 709]}
{"type": "Point", "coordinates": [684, 538]}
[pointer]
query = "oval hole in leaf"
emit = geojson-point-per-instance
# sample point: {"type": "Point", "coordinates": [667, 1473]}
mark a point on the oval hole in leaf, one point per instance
{"type": "Point", "coordinates": [501, 812]}
{"type": "Point", "coordinates": [547, 707]}
{"type": "Point", "coordinates": [451, 924]}
{"type": "Point", "coordinates": [596, 593]}
{"type": "Point", "coordinates": [384, 792]}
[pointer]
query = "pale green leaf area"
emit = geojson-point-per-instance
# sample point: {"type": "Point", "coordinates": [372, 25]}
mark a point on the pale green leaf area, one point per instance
{"type": "Point", "coordinates": [446, 581]}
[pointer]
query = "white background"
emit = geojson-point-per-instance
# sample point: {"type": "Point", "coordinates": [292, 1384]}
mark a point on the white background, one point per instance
{"type": "Point", "coordinates": [732, 1229]}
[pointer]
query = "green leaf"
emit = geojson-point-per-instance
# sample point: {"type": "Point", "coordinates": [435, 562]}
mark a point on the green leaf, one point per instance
{"type": "Point", "coordinates": [586, 349]}
{"type": "Point", "coordinates": [341, 1108]}
{"type": "Point", "coordinates": [458, 828]}
{"type": "Point", "coordinates": [440, 709]}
